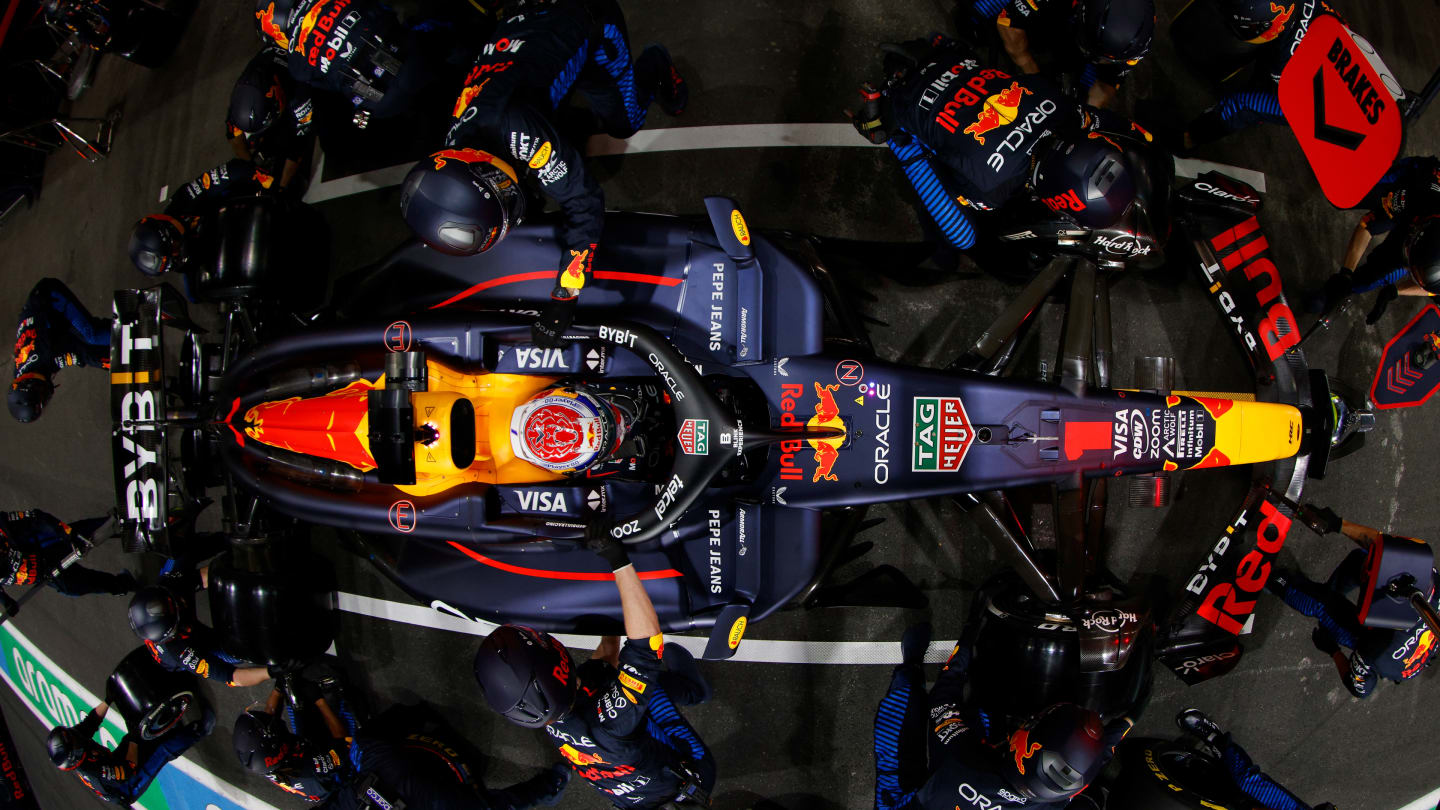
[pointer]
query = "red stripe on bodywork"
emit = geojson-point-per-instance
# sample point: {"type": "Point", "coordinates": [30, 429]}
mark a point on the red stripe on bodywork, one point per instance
{"type": "Point", "coordinates": [577, 576]}
{"type": "Point", "coordinates": [607, 275]}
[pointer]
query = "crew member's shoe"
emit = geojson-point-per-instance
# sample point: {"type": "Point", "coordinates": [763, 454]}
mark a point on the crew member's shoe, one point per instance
{"type": "Point", "coordinates": [915, 643]}
{"type": "Point", "coordinates": [671, 91]}
{"type": "Point", "coordinates": [1195, 723]}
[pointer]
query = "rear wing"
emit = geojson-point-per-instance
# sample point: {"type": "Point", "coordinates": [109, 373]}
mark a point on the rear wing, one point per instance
{"type": "Point", "coordinates": [138, 437]}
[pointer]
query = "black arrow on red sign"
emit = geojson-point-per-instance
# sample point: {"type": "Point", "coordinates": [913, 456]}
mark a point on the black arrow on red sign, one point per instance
{"type": "Point", "coordinates": [1344, 138]}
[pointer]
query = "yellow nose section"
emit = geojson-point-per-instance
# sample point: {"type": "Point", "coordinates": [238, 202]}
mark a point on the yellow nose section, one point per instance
{"type": "Point", "coordinates": [1250, 432]}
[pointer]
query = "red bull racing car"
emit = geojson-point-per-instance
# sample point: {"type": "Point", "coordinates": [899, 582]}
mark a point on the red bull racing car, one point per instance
{"type": "Point", "coordinates": [416, 413]}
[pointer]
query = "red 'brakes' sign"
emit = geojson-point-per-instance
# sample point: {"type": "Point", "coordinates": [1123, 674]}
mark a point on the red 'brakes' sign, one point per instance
{"type": "Point", "coordinates": [1342, 114]}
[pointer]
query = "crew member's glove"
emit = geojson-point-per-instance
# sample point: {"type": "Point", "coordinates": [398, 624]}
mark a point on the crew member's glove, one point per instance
{"type": "Point", "coordinates": [869, 120]}
{"type": "Point", "coordinates": [1322, 520]}
{"type": "Point", "coordinates": [1383, 298]}
{"type": "Point", "coordinates": [284, 667]}
{"type": "Point", "coordinates": [549, 330]}
{"type": "Point", "coordinates": [612, 551]}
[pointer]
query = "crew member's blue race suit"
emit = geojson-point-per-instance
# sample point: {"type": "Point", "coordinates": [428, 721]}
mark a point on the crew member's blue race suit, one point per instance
{"type": "Point", "coordinates": [625, 734]}
{"type": "Point", "coordinates": [1259, 100]}
{"type": "Point", "coordinates": [56, 331]}
{"type": "Point", "coordinates": [1254, 782]}
{"type": "Point", "coordinates": [425, 772]}
{"type": "Point", "coordinates": [34, 542]}
{"type": "Point", "coordinates": [964, 745]}
{"type": "Point", "coordinates": [541, 52]}
{"type": "Point", "coordinates": [1408, 194]}
{"type": "Point", "coordinates": [196, 648]}
{"type": "Point", "coordinates": [1398, 655]}
{"type": "Point", "coordinates": [113, 778]}
{"type": "Point", "coordinates": [964, 133]}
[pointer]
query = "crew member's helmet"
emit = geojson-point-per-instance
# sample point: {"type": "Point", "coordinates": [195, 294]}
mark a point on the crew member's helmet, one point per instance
{"type": "Point", "coordinates": [1116, 31]}
{"type": "Point", "coordinates": [1422, 254]}
{"type": "Point", "coordinates": [29, 394]}
{"type": "Point", "coordinates": [1256, 21]}
{"type": "Point", "coordinates": [525, 675]}
{"type": "Point", "coordinates": [155, 614]}
{"type": "Point", "coordinates": [157, 244]}
{"type": "Point", "coordinates": [65, 747]}
{"type": "Point", "coordinates": [1086, 177]}
{"type": "Point", "coordinates": [462, 201]}
{"type": "Point", "coordinates": [258, 747]}
{"type": "Point", "coordinates": [1053, 755]}
{"type": "Point", "coordinates": [273, 18]}
{"type": "Point", "coordinates": [567, 429]}
{"type": "Point", "coordinates": [255, 104]}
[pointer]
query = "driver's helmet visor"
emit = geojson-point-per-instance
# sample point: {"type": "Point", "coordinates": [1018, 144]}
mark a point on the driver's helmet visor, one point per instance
{"type": "Point", "coordinates": [566, 429]}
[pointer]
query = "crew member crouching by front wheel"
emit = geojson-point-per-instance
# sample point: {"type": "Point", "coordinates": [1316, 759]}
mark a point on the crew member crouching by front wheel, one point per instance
{"type": "Point", "coordinates": [967, 758]}
{"type": "Point", "coordinates": [1375, 652]}
{"type": "Point", "coordinates": [615, 718]}
{"type": "Point", "coordinates": [463, 201]}
{"type": "Point", "coordinates": [972, 139]}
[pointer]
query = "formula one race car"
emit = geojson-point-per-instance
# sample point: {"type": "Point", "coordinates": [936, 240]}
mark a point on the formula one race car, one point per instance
{"type": "Point", "coordinates": [732, 397]}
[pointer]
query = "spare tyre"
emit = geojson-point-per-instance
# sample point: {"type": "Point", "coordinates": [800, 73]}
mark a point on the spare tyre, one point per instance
{"type": "Point", "coordinates": [152, 699]}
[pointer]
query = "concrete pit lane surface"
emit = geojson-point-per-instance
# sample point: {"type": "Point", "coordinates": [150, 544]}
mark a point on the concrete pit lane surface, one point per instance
{"type": "Point", "coordinates": [788, 735]}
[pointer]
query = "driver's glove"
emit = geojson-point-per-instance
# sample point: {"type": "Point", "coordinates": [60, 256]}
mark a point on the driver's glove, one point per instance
{"type": "Point", "coordinates": [549, 330]}
{"type": "Point", "coordinates": [612, 551]}
{"type": "Point", "coordinates": [1383, 298]}
{"type": "Point", "coordinates": [870, 120]}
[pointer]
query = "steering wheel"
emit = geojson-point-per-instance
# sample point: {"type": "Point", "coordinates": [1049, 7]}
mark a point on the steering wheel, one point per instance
{"type": "Point", "coordinates": [693, 402]}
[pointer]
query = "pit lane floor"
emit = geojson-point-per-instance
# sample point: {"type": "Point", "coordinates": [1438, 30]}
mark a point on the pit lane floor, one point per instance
{"type": "Point", "coordinates": [792, 735]}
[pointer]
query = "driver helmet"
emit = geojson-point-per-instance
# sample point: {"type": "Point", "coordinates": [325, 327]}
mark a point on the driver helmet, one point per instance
{"type": "Point", "coordinates": [65, 747]}
{"type": "Point", "coordinates": [462, 201]}
{"type": "Point", "coordinates": [1256, 21]}
{"type": "Point", "coordinates": [157, 244]}
{"type": "Point", "coordinates": [567, 428]}
{"type": "Point", "coordinates": [273, 18]}
{"type": "Point", "coordinates": [1116, 31]}
{"type": "Point", "coordinates": [525, 675]}
{"type": "Point", "coordinates": [1086, 177]}
{"type": "Point", "coordinates": [1053, 755]}
{"type": "Point", "coordinates": [29, 394]}
{"type": "Point", "coordinates": [255, 106]}
{"type": "Point", "coordinates": [1422, 254]}
{"type": "Point", "coordinates": [257, 745]}
{"type": "Point", "coordinates": [155, 614]}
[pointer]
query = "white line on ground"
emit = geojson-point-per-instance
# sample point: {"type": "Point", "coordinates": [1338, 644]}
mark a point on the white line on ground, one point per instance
{"type": "Point", "coordinates": [1426, 802]}
{"type": "Point", "coordinates": [729, 136]}
{"type": "Point", "coordinates": [754, 651]}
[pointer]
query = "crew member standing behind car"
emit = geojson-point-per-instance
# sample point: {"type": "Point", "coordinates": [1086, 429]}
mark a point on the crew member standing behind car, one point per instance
{"type": "Point", "coordinates": [1375, 652]}
{"type": "Point", "coordinates": [33, 543]}
{"type": "Point", "coordinates": [121, 776]}
{"type": "Point", "coordinates": [1406, 205]}
{"type": "Point", "coordinates": [55, 332]}
{"type": "Point", "coordinates": [463, 199]}
{"type": "Point", "coordinates": [1243, 771]}
{"type": "Point", "coordinates": [180, 238]}
{"type": "Point", "coordinates": [968, 757]}
{"type": "Point", "coordinates": [615, 717]}
{"type": "Point", "coordinates": [967, 137]}
{"type": "Point", "coordinates": [270, 120]}
{"type": "Point", "coordinates": [1278, 28]}
{"type": "Point", "coordinates": [179, 643]}
{"type": "Point", "coordinates": [1111, 36]}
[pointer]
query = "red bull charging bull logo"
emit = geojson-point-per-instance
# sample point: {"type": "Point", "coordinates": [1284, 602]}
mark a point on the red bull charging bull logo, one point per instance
{"type": "Point", "coordinates": [1277, 24]}
{"type": "Point", "coordinates": [825, 451]}
{"type": "Point", "coordinates": [1023, 749]}
{"type": "Point", "coordinates": [999, 109]}
{"type": "Point", "coordinates": [270, 29]}
{"type": "Point", "coordinates": [579, 758]}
